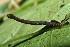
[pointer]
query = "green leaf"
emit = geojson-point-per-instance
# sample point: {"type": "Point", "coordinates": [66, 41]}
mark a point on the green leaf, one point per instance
{"type": "Point", "coordinates": [7, 34]}
{"type": "Point", "coordinates": [51, 38]}
{"type": "Point", "coordinates": [45, 11]}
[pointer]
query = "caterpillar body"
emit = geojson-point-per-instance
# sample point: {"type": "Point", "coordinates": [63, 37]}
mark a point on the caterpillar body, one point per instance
{"type": "Point", "coordinates": [11, 16]}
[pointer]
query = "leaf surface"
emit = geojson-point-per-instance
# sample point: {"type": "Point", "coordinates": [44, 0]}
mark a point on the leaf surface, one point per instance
{"type": "Point", "coordinates": [46, 11]}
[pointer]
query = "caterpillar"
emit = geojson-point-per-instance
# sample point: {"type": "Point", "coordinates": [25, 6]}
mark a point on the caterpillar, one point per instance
{"type": "Point", "coordinates": [11, 16]}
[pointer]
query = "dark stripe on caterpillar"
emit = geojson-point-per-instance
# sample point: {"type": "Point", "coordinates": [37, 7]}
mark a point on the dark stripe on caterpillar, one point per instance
{"type": "Point", "coordinates": [11, 16]}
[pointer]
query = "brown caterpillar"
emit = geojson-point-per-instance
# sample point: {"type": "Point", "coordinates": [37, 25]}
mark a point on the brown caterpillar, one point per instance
{"type": "Point", "coordinates": [56, 24]}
